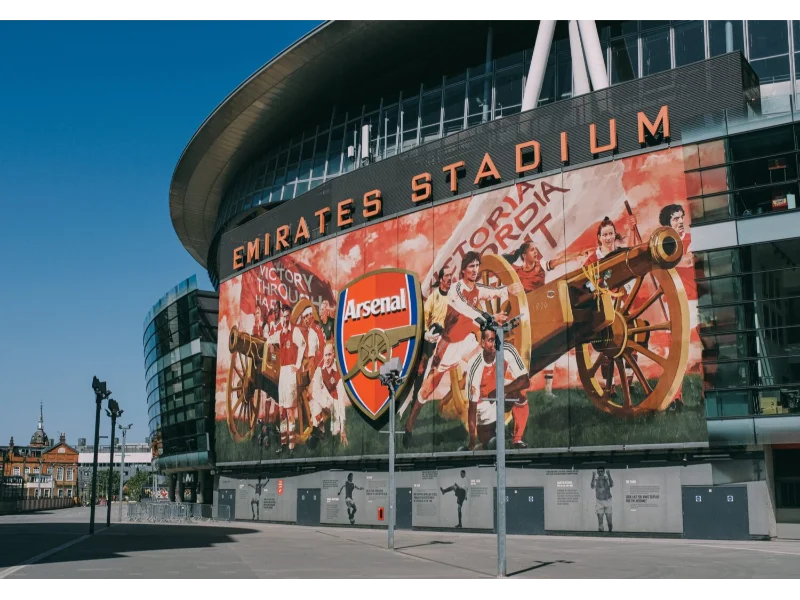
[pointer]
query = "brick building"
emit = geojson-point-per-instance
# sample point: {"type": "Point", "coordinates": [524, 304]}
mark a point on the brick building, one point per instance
{"type": "Point", "coordinates": [48, 469]}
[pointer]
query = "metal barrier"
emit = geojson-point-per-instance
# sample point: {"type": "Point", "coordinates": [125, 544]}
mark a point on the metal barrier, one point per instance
{"type": "Point", "coordinates": [176, 512]}
{"type": "Point", "coordinates": [34, 504]}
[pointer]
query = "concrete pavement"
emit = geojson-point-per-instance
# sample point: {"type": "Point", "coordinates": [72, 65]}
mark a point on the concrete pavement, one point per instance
{"type": "Point", "coordinates": [259, 550]}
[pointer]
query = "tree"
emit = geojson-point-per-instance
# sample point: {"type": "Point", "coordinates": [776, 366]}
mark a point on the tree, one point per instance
{"type": "Point", "coordinates": [134, 487]}
{"type": "Point", "coordinates": [102, 484]}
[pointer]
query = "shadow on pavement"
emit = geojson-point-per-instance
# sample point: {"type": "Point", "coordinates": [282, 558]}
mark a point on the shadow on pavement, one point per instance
{"type": "Point", "coordinates": [22, 541]}
{"type": "Point", "coordinates": [539, 565]}
{"type": "Point", "coordinates": [431, 543]}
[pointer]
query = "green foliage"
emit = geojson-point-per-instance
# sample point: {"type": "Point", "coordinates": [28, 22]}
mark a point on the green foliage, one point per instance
{"type": "Point", "coordinates": [134, 487]}
{"type": "Point", "coordinates": [102, 483]}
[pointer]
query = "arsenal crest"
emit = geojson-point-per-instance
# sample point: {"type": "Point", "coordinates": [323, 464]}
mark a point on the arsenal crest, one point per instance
{"type": "Point", "coordinates": [378, 318]}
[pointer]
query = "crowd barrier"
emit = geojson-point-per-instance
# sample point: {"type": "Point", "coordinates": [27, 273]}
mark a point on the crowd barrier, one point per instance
{"type": "Point", "coordinates": [21, 505]}
{"type": "Point", "coordinates": [176, 512]}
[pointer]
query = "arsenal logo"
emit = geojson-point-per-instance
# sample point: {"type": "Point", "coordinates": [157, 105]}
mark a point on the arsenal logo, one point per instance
{"type": "Point", "coordinates": [378, 318]}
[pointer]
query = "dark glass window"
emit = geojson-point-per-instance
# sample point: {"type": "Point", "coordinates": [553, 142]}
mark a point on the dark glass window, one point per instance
{"type": "Point", "coordinates": [762, 171]}
{"type": "Point", "coordinates": [767, 38]}
{"type": "Point", "coordinates": [689, 43]}
{"type": "Point", "coordinates": [454, 108]}
{"type": "Point", "coordinates": [761, 143]}
{"type": "Point", "coordinates": [508, 92]}
{"type": "Point", "coordinates": [766, 199]}
{"type": "Point", "coordinates": [655, 52]}
{"type": "Point", "coordinates": [624, 59]}
{"type": "Point", "coordinates": [786, 466]}
{"type": "Point", "coordinates": [724, 38]}
{"type": "Point", "coordinates": [771, 70]}
{"type": "Point", "coordinates": [480, 94]}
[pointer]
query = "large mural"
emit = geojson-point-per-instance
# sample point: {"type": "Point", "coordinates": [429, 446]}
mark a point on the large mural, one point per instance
{"type": "Point", "coordinates": [596, 266]}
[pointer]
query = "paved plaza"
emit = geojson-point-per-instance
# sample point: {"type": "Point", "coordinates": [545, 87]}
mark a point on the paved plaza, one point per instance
{"type": "Point", "coordinates": [55, 545]}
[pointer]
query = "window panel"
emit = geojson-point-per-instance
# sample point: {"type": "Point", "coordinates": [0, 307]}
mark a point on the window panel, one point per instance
{"type": "Point", "coordinates": [480, 93]}
{"type": "Point", "coordinates": [389, 130]}
{"type": "Point", "coordinates": [765, 200]}
{"type": "Point", "coordinates": [431, 108]}
{"type": "Point", "coordinates": [621, 28]}
{"type": "Point", "coordinates": [689, 43]}
{"type": "Point", "coordinates": [655, 52]}
{"type": "Point", "coordinates": [727, 375]}
{"type": "Point", "coordinates": [772, 70]}
{"type": "Point", "coordinates": [715, 208]}
{"type": "Point", "coordinates": [763, 171]}
{"type": "Point", "coordinates": [548, 91]}
{"type": "Point", "coordinates": [334, 152]}
{"type": "Point", "coordinates": [691, 157]}
{"type": "Point", "coordinates": [508, 92]}
{"type": "Point", "coordinates": [761, 143]}
{"type": "Point", "coordinates": [509, 60]}
{"type": "Point", "coordinates": [410, 123]}
{"type": "Point", "coordinates": [767, 38]}
{"type": "Point", "coordinates": [694, 184]}
{"type": "Point", "coordinates": [714, 180]}
{"type": "Point", "coordinates": [563, 76]}
{"type": "Point", "coordinates": [712, 153]}
{"type": "Point", "coordinates": [624, 59]}
{"type": "Point", "coordinates": [306, 159]}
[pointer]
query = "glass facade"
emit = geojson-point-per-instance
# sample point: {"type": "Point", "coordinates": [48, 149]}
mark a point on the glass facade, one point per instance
{"type": "Point", "coordinates": [403, 119]}
{"type": "Point", "coordinates": [744, 175]}
{"type": "Point", "coordinates": [180, 362]}
{"type": "Point", "coordinates": [749, 316]}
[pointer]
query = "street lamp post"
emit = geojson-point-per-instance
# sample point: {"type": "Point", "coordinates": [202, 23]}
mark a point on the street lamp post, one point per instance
{"type": "Point", "coordinates": [100, 394]}
{"type": "Point", "coordinates": [112, 411]}
{"type": "Point", "coordinates": [122, 467]}
{"type": "Point", "coordinates": [487, 321]}
{"type": "Point", "coordinates": [390, 377]}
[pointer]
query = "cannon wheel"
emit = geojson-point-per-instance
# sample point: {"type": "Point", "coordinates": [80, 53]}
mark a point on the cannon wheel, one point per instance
{"type": "Point", "coordinates": [625, 343]}
{"type": "Point", "coordinates": [304, 428]}
{"type": "Point", "coordinates": [242, 400]}
{"type": "Point", "coordinates": [495, 270]}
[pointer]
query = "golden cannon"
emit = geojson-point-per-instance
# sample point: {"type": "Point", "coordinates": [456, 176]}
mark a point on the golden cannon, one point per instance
{"type": "Point", "coordinates": [255, 368]}
{"type": "Point", "coordinates": [590, 310]}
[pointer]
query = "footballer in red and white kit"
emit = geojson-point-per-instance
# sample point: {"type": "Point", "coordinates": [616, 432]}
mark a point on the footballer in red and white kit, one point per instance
{"type": "Point", "coordinates": [292, 349]}
{"type": "Point", "coordinates": [481, 391]}
{"type": "Point", "coordinates": [311, 334]}
{"type": "Point", "coordinates": [674, 216]}
{"type": "Point", "coordinates": [328, 394]}
{"type": "Point", "coordinates": [458, 342]}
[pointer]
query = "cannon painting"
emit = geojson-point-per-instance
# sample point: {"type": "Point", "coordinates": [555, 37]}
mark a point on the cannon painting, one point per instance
{"type": "Point", "coordinates": [606, 328]}
{"type": "Point", "coordinates": [255, 369]}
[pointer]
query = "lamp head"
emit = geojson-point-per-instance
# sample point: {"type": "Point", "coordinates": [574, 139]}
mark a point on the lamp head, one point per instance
{"type": "Point", "coordinates": [98, 386]}
{"type": "Point", "coordinates": [390, 372]}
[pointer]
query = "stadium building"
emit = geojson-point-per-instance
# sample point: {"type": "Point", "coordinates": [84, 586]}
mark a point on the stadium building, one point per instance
{"type": "Point", "coordinates": [625, 192]}
{"type": "Point", "coordinates": [179, 341]}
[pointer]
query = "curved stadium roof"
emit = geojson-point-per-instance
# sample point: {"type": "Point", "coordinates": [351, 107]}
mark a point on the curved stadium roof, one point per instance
{"type": "Point", "coordinates": [342, 63]}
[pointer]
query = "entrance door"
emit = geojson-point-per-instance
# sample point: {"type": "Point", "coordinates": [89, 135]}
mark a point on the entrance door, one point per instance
{"type": "Point", "coordinates": [403, 508]}
{"type": "Point", "coordinates": [308, 506]}
{"type": "Point", "coordinates": [715, 513]}
{"type": "Point", "coordinates": [227, 498]}
{"type": "Point", "coordinates": [524, 510]}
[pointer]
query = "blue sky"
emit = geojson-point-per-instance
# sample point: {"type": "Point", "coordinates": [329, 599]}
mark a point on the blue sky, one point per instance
{"type": "Point", "coordinates": [93, 118]}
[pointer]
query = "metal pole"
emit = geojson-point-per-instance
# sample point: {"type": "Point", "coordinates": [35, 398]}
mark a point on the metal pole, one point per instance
{"type": "Point", "coordinates": [99, 400]}
{"type": "Point", "coordinates": [728, 36]}
{"type": "Point", "coordinates": [500, 434]}
{"type": "Point", "coordinates": [111, 469]}
{"type": "Point", "coordinates": [122, 468]}
{"type": "Point", "coordinates": [392, 417]}
{"type": "Point", "coordinates": [487, 83]}
{"type": "Point", "coordinates": [541, 51]}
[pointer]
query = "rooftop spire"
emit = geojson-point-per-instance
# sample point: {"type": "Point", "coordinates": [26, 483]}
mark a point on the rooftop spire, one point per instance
{"type": "Point", "coordinates": [41, 414]}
